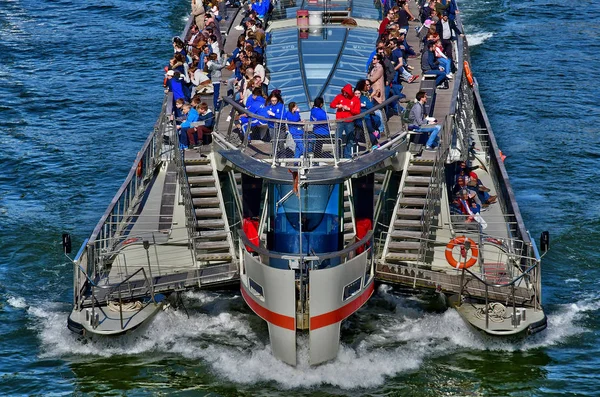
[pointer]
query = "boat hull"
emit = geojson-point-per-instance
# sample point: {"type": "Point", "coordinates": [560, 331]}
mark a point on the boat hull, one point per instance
{"type": "Point", "coordinates": [335, 293]}
{"type": "Point", "coordinates": [502, 321]}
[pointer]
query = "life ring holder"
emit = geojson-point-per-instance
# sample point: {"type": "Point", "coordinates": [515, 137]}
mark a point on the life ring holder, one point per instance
{"type": "Point", "coordinates": [460, 241]}
{"type": "Point", "coordinates": [468, 73]}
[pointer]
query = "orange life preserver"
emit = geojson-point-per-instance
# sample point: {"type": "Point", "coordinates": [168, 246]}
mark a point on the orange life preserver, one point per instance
{"type": "Point", "coordinates": [468, 73]}
{"type": "Point", "coordinates": [460, 241]}
{"type": "Point", "coordinates": [138, 171]}
{"type": "Point", "coordinates": [502, 156]}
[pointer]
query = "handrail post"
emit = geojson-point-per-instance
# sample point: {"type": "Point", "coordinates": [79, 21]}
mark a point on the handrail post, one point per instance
{"type": "Point", "coordinates": [146, 247]}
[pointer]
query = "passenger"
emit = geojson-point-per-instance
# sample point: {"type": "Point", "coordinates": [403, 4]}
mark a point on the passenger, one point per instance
{"type": "Point", "coordinates": [404, 15]}
{"type": "Point", "coordinates": [198, 12]}
{"type": "Point", "coordinates": [365, 122]}
{"type": "Point", "coordinates": [374, 120]}
{"type": "Point", "coordinates": [472, 181]}
{"type": "Point", "coordinates": [399, 61]}
{"type": "Point", "coordinates": [276, 112]}
{"type": "Point", "coordinates": [175, 85]}
{"type": "Point", "coordinates": [178, 110]}
{"type": "Point", "coordinates": [296, 131]}
{"type": "Point", "coordinates": [211, 24]}
{"type": "Point", "coordinates": [346, 105]}
{"type": "Point", "coordinates": [447, 29]}
{"type": "Point", "coordinates": [256, 104]}
{"type": "Point", "coordinates": [195, 38]}
{"type": "Point", "coordinates": [440, 6]}
{"type": "Point", "coordinates": [214, 66]}
{"type": "Point", "coordinates": [203, 126]}
{"type": "Point", "coordinates": [321, 131]}
{"type": "Point", "coordinates": [442, 59]}
{"type": "Point", "coordinates": [201, 84]}
{"type": "Point", "coordinates": [214, 45]}
{"type": "Point", "coordinates": [391, 16]}
{"type": "Point", "coordinates": [419, 123]}
{"type": "Point", "coordinates": [192, 117]}
{"type": "Point", "coordinates": [467, 205]}
{"type": "Point", "coordinates": [430, 65]}
{"type": "Point", "coordinates": [376, 78]}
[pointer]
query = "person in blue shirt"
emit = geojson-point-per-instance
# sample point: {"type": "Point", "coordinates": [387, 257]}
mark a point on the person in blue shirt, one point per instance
{"type": "Point", "coordinates": [175, 85]}
{"type": "Point", "coordinates": [297, 132]}
{"type": "Point", "coordinates": [192, 117]}
{"type": "Point", "coordinates": [276, 111]}
{"type": "Point", "coordinates": [203, 126]}
{"type": "Point", "coordinates": [321, 131]}
{"type": "Point", "coordinates": [254, 104]}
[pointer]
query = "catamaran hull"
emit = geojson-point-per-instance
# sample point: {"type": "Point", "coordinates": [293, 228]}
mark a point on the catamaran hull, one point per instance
{"type": "Point", "coordinates": [514, 325]}
{"type": "Point", "coordinates": [103, 321]}
{"type": "Point", "coordinates": [335, 293]}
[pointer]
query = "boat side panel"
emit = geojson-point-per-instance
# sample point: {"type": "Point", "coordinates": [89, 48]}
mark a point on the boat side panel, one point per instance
{"type": "Point", "coordinates": [271, 293]}
{"type": "Point", "coordinates": [329, 306]}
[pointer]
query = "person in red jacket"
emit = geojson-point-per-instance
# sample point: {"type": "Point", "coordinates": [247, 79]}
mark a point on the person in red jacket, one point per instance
{"type": "Point", "coordinates": [346, 105]}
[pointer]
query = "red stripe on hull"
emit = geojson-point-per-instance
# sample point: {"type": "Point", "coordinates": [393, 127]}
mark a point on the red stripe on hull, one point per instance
{"type": "Point", "coordinates": [335, 316]}
{"type": "Point", "coordinates": [271, 317]}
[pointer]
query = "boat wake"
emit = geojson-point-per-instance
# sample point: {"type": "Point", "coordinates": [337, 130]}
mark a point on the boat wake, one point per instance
{"type": "Point", "coordinates": [396, 336]}
{"type": "Point", "coordinates": [476, 39]}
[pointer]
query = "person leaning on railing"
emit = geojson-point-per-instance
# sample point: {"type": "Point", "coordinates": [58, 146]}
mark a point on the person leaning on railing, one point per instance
{"type": "Point", "coordinates": [346, 105]}
{"type": "Point", "coordinates": [296, 131]}
{"type": "Point", "coordinates": [321, 130]}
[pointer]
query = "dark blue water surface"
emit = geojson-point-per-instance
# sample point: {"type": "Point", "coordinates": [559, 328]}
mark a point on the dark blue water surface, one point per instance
{"type": "Point", "coordinates": [81, 89]}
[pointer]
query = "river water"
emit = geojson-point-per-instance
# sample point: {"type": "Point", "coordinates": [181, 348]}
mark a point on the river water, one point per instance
{"type": "Point", "coordinates": [82, 88]}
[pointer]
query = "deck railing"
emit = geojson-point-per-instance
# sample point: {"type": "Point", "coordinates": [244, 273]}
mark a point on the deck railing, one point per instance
{"type": "Point", "coordinates": [113, 227]}
{"type": "Point", "coordinates": [294, 144]}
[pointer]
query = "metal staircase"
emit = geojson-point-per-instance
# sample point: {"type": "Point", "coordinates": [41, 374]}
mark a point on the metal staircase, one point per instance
{"type": "Point", "coordinates": [213, 244]}
{"type": "Point", "coordinates": [416, 206]}
{"type": "Point", "coordinates": [349, 225]}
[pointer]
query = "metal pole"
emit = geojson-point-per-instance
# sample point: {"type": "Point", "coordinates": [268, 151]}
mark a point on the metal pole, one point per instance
{"type": "Point", "coordinates": [120, 307]}
{"type": "Point", "coordinates": [146, 247]}
{"type": "Point", "coordinates": [301, 264]}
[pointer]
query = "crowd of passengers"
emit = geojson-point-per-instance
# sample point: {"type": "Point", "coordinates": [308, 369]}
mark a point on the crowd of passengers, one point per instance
{"type": "Point", "coordinates": [469, 195]}
{"type": "Point", "coordinates": [198, 61]}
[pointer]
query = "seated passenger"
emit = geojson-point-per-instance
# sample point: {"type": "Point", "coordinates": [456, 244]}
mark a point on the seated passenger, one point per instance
{"type": "Point", "coordinates": [204, 125]}
{"type": "Point", "coordinates": [430, 65]}
{"type": "Point", "coordinates": [192, 117]}
{"type": "Point", "coordinates": [467, 205]}
{"type": "Point", "coordinates": [419, 123]}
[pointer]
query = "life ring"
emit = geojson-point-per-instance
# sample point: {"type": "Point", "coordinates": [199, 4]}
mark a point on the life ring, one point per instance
{"type": "Point", "coordinates": [460, 241]}
{"type": "Point", "coordinates": [468, 73]}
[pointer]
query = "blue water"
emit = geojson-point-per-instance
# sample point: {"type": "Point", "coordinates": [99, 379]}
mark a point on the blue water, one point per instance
{"type": "Point", "coordinates": [81, 89]}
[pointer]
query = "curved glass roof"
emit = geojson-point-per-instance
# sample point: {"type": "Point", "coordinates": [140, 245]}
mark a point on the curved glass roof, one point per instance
{"type": "Point", "coordinates": [304, 65]}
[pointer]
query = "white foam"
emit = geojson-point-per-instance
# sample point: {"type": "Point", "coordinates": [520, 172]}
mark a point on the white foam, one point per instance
{"type": "Point", "coordinates": [236, 346]}
{"type": "Point", "coordinates": [475, 39]}
{"type": "Point", "coordinates": [16, 302]}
